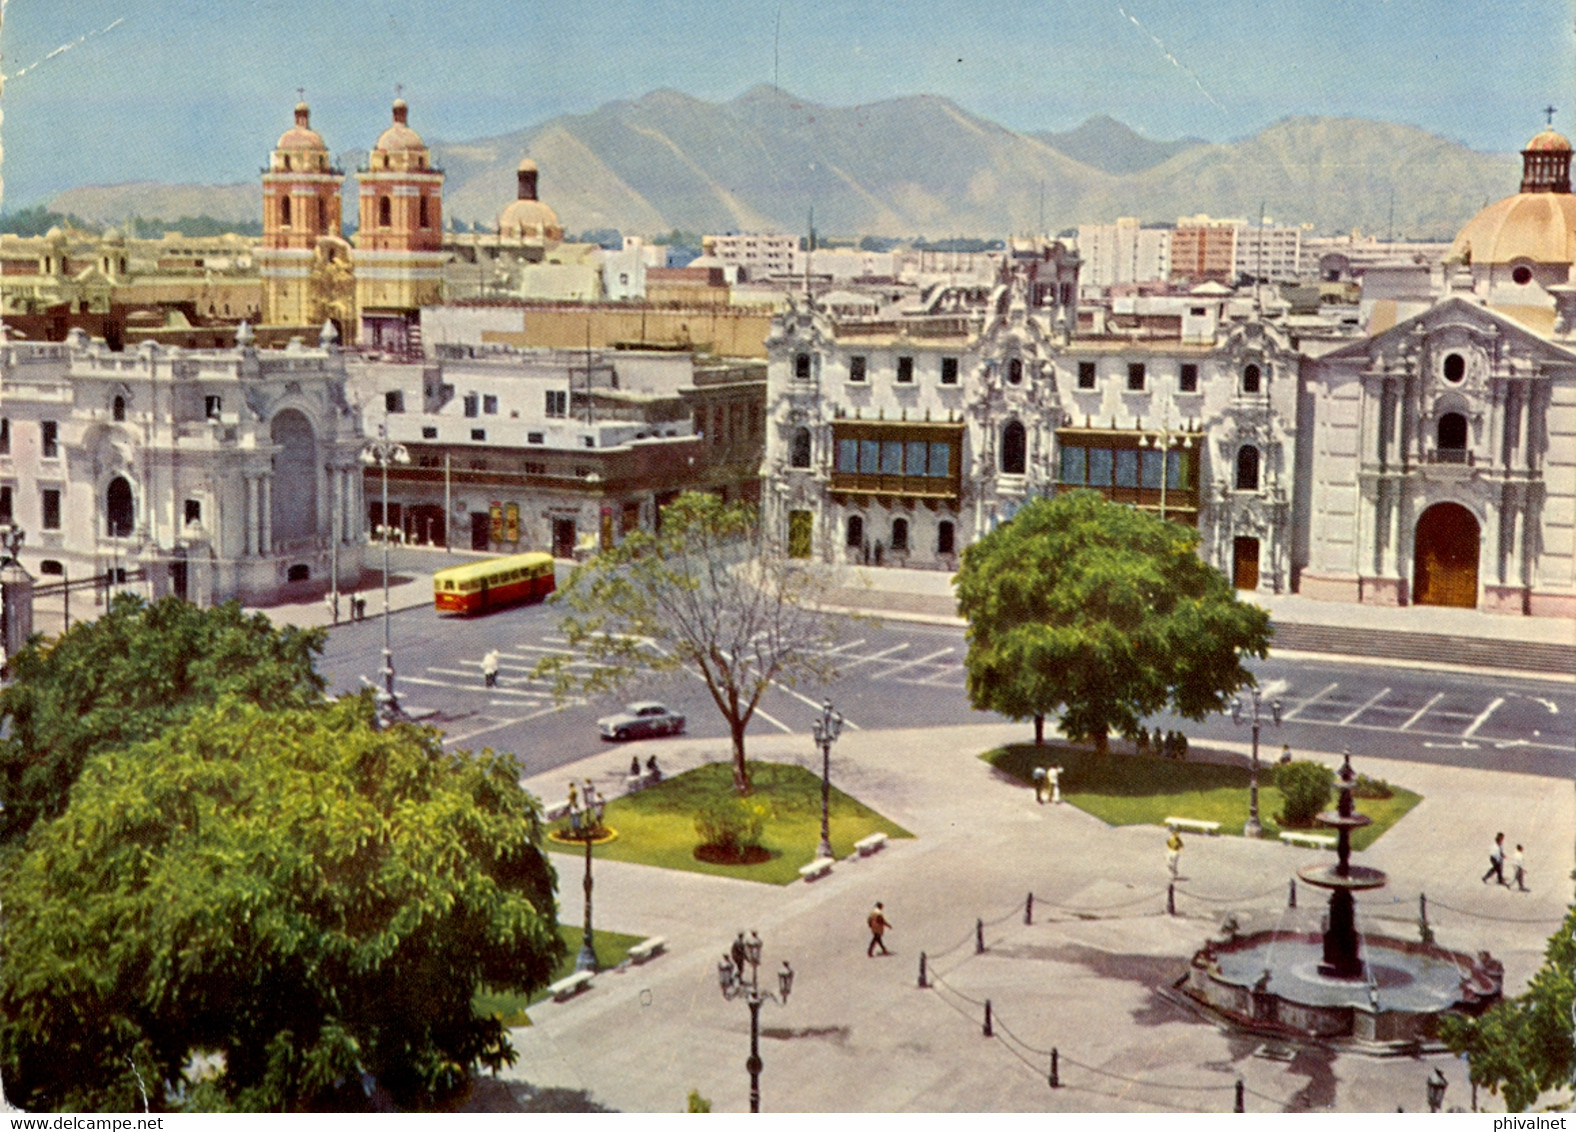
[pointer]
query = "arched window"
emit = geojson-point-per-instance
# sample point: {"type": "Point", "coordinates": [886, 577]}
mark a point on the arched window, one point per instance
{"type": "Point", "coordinates": [421, 211]}
{"type": "Point", "coordinates": [801, 366]}
{"type": "Point", "coordinates": [946, 540]}
{"type": "Point", "coordinates": [322, 215]}
{"type": "Point", "coordinates": [801, 447]}
{"type": "Point", "coordinates": [284, 211]}
{"type": "Point", "coordinates": [1455, 368]}
{"type": "Point", "coordinates": [117, 409]}
{"type": "Point", "coordinates": [856, 531]}
{"type": "Point", "coordinates": [1015, 371]}
{"type": "Point", "coordinates": [1247, 468]}
{"type": "Point", "coordinates": [1452, 432]}
{"type": "Point", "coordinates": [1014, 449]}
{"type": "Point", "coordinates": [117, 508]}
{"type": "Point", "coordinates": [385, 212]}
{"type": "Point", "coordinates": [1250, 379]}
{"type": "Point", "coordinates": [900, 535]}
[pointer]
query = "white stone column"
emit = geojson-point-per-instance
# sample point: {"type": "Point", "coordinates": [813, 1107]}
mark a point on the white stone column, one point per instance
{"type": "Point", "coordinates": [253, 530]}
{"type": "Point", "coordinates": [266, 514]}
{"type": "Point", "coordinates": [1524, 422]}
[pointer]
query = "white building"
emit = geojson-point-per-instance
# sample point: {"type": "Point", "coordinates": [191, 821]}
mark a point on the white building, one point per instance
{"type": "Point", "coordinates": [756, 255]}
{"type": "Point", "coordinates": [1124, 252]}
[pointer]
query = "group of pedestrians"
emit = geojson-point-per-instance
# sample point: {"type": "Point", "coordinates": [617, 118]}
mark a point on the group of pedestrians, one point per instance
{"type": "Point", "coordinates": [1496, 865]}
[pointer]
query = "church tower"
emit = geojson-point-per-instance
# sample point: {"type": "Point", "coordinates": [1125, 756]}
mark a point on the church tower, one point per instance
{"type": "Point", "coordinates": [399, 247]}
{"type": "Point", "coordinates": [301, 210]}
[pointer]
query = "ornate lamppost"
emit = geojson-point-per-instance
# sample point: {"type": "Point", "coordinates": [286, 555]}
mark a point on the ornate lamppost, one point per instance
{"type": "Point", "coordinates": [826, 730]}
{"type": "Point", "coordinates": [1436, 1090]}
{"type": "Point", "coordinates": [1252, 828]}
{"type": "Point", "coordinates": [734, 985]}
{"type": "Point", "coordinates": [383, 453]}
{"type": "Point", "coordinates": [1167, 441]}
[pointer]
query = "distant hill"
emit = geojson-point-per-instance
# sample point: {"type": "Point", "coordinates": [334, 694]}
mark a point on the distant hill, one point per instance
{"type": "Point", "coordinates": [1105, 144]}
{"type": "Point", "coordinates": [914, 166]}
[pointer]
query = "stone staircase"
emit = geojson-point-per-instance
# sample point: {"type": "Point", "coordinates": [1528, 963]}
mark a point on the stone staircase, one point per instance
{"type": "Point", "coordinates": [1396, 644]}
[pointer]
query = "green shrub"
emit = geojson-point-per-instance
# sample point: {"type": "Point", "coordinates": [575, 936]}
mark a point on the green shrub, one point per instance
{"type": "Point", "coordinates": [1305, 787]}
{"type": "Point", "coordinates": [1366, 787]}
{"type": "Point", "coordinates": [697, 1103]}
{"type": "Point", "coordinates": [731, 824]}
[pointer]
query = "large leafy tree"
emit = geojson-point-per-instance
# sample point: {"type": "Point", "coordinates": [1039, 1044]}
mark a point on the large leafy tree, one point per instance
{"type": "Point", "coordinates": [707, 596]}
{"type": "Point", "coordinates": [1104, 614]}
{"type": "Point", "coordinates": [1521, 1047]}
{"type": "Point", "coordinates": [126, 677]}
{"type": "Point", "coordinates": [293, 899]}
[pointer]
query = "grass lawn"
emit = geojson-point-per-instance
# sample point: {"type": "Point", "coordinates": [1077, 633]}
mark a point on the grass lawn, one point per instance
{"type": "Point", "coordinates": [1145, 790]}
{"type": "Point", "coordinates": [656, 826]}
{"type": "Point", "coordinates": [611, 949]}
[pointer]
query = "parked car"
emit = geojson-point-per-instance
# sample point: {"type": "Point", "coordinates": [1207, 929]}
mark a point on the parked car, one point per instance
{"type": "Point", "coordinates": [640, 721]}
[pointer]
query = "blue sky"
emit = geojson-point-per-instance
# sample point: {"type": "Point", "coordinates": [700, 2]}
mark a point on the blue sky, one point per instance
{"type": "Point", "coordinates": [197, 90]}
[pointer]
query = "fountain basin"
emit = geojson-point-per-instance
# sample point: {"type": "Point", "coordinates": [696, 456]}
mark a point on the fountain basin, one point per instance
{"type": "Point", "coordinates": [1269, 982]}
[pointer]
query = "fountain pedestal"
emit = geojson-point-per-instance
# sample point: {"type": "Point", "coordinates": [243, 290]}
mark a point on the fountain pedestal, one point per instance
{"type": "Point", "coordinates": [1342, 957]}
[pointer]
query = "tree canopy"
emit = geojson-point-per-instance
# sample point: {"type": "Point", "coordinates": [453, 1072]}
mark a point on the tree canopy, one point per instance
{"type": "Point", "coordinates": [1104, 614]}
{"type": "Point", "coordinates": [1521, 1047]}
{"type": "Point", "coordinates": [126, 677]}
{"type": "Point", "coordinates": [291, 898]}
{"type": "Point", "coordinates": [707, 596]}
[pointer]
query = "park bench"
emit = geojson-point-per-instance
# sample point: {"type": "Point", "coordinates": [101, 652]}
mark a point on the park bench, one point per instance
{"type": "Point", "coordinates": [868, 845]}
{"type": "Point", "coordinates": [570, 985]}
{"type": "Point", "coordinates": [633, 783]}
{"type": "Point", "coordinates": [646, 948]}
{"type": "Point", "coordinates": [816, 868]}
{"type": "Point", "coordinates": [1311, 840]}
{"type": "Point", "coordinates": [556, 812]}
{"type": "Point", "coordinates": [1195, 824]}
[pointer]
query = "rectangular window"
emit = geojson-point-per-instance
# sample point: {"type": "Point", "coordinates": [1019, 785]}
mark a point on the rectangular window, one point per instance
{"type": "Point", "coordinates": [212, 406]}
{"type": "Point", "coordinates": [489, 403]}
{"type": "Point", "coordinates": [949, 371]}
{"type": "Point", "coordinates": [856, 368]}
{"type": "Point", "coordinates": [1085, 375]}
{"type": "Point", "coordinates": [533, 438]}
{"type": "Point", "coordinates": [848, 455]}
{"type": "Point", "coordinates": [1149, 468]}
{"type": "Point", "coordinates": [49, 431]}
{"type": "Point", "coordinates": [869, 457]}
{"type": "Point", "coordinates": [905, 370]}
{"type": "Point", "coordinates": [478, 434]}
{"type": "Point", "coordinates": [558, 404]}
{"type": "Point", "coordinates": [470, 404]}
{"type": "Point", "coordinates": [801, 366]}
{"type": "Point", "coordinates": [51, 508]}
{"type": "Point", "coordinates": [940, 459]}
{"type": "Point", "coordinates": [891, 457]}
{"type": "Point", "coordinates": [1099, 467]}
{"type": "Point", "coordinates": [1187, 382]}
{"type": "Point", "coordinates": [588, 441]}
{"type": "Point", "coordinates": [1072, 461]}
{"type": "Point", "coordinates": [1174, 469]}
{"type": "Point", "coordinates": [5, 436]}
{"type": "Point", "coordinates": [1127, 467]}
{"type": "Point", "coordinates": [394, 401]}
{"type": "Point", "coordinates": [532, 468]}
{"type": "Point", "coordinates": [193, 512]}
{"type": "Point", "coordinates": [1135, 375]}
{"type": "Point", "coordinates": [429, 432]}
{"type": "Point", "coordinates": [916, 458]}
{"type": "Point", "coordinates": [5, 504]}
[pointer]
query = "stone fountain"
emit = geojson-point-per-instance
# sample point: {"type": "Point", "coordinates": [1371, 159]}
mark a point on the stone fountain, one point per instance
{"type": "Point", "coordinates": [1336, 986]}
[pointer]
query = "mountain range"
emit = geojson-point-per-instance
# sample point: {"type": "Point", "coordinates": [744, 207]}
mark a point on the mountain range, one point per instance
{"type": "Point", "coordinates": [916, 165]}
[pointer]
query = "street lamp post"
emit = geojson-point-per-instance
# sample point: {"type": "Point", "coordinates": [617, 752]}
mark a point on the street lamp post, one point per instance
{"type": "Point", "coordinates": [827, 729]}
{"type": "Point", "coordinates": [1436, 1090]}
{"type": "Point", "coordinates": [734, 985]}
{"type": "Point", "coordinates": [383, 453]}
{"type": "Point", "coordinates": [1252, 828]}
{"type": "Point", "coordinates": [586, 960]}
{"type": "Point", "coordinates": [1165, 441]}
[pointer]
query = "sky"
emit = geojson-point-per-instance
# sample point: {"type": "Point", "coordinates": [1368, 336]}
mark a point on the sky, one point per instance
{"type": "Point", "coordinates": [104, 91]}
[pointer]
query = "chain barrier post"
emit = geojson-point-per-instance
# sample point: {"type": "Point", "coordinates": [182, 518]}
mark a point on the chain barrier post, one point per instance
{"type": "Point", "coordinates": [1240, 1106]}
{"type": "Point", "coordinates": [1028, 909]}
{"type": "Point", "coordinates": [989, 1033]}
{"type": "Point", "coordinates": [1056, 1076]}
{"type": "Point", "coordinates": [979, 937]}
{"type": "Point", "coordinates": [923, 983]}
{"type": "Point", "coordinates": [1291, 893]}
{"type": "Point", "coordinates": [1171, 900]}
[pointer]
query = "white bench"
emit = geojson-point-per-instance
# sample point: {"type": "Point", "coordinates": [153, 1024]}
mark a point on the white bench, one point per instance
{"type": "Point", "coordinates": [1311, 840]}
{"type": "Point", "coordinates": [556, 812]}
{"type": "Point", "coordinates": [868, 845]}
{"type": "Point", "coordinates": [817, 868]}
{"type": "Point", "coordinates": [646, 948]}
{"type": "Point", "coordinates": [1194, 824]}
{"type": "Point", "coordinates": [633, 782]}
{"type": "Point", "coordinates": [570, 985]}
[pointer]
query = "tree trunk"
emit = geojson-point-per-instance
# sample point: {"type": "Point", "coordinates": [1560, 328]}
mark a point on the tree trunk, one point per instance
{"type": "Point", "coordinates": [1102, 743]}
{"type": "Point", "coordinates": [741, 772]}
{"type": "Point", "coordinates": [1039, 730]}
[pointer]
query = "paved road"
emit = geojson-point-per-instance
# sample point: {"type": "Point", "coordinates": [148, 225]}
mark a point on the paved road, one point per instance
{"type": "Point", "coordinates": [906, 675]}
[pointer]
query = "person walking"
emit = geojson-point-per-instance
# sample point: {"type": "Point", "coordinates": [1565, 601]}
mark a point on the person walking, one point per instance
{"type": "Point", "coordinates": [737, 954]}
{"type": "Point", "coordinates": [1173, 852]}
{"type": "Point", "coordinates": [1039, 784]}
{"type": "Point", "coordinates": [1518, 868]}
{"type": "Point", "coordinates": [878, 925]}
{"type": "Point", "coordinates": [331, 601]}
{"type": "Point", "coordinates": [1496, 861]}
{"type": "Point", "coordinates": [490, 668]}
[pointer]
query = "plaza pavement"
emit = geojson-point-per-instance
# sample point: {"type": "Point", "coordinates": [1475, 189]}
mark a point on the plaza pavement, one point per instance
{"type": "Point", "coordinates": [859, 1035]}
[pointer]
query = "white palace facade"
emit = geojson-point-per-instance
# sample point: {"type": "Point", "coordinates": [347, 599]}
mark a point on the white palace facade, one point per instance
{"type": "Point", "coordinates": [1427, 461]}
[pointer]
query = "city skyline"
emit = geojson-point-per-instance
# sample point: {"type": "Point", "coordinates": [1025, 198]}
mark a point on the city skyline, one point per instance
{"type": "Point", "coordinates": [179, 91]}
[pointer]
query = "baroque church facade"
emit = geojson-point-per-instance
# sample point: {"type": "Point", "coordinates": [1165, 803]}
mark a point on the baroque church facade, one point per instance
{"type": "Point", "coordinates": [1427, 461]}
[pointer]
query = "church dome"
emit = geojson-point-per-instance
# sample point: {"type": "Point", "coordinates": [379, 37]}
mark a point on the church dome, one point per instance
{"type": "Point", "coordinates": [1550, 140]}
{"type": "Point", "coordinates": [400, 138]}
{"type": "Point", "coordinates": [530, 218]}
{"type": "Point", "coordinates": [301, 135]}
{"type": "Point", "coordinates": [1528, 227]}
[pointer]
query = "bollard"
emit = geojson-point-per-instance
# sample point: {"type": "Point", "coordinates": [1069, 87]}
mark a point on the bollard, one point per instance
{"type": "Point", "coordinates": [989, 1033]}
{"type": "Point", "coordinates": [1028, 909]}
{"type": "Point", "coordinates": [1056, 1077]}
{"type": "Point", "coordinates": [923, 983]}
{"type": "Point", "coordinates": [1239, 1107]}
{"type": "Point", "coordinates": [979, 937]}
{"type": "Point", "coordinates": [1291, 893]}
{"type": "Point", "coordinates": [1171, 900]}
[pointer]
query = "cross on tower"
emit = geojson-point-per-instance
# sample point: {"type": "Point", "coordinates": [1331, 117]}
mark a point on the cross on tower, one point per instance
{"type": "Point", "coordinates": [300, 94]}
{"type": "Point", "coordinates": [1549, 110]}
{"type": "Point", "coordinates": [399, 90]}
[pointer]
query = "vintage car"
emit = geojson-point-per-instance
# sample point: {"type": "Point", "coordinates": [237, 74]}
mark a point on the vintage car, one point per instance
{"type": "Point", "coordinates": [639, 721]}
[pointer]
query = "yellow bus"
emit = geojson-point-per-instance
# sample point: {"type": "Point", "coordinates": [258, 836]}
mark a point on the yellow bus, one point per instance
{"type": "Point", "coordinates": [478, 587]}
